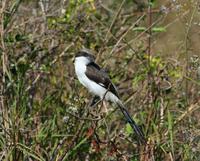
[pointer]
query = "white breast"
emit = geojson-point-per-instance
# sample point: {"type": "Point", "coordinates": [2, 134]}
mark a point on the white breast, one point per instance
{"type": "Point", "coordinates": [93, 87]}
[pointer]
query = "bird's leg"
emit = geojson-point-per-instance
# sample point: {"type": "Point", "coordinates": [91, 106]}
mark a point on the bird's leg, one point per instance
{"type": "Point", "coordinates": [95, 100]}
{"type": "Point", "coordinates": [94, 103]}
{"type": "Point", "coordinates": [103, 108]}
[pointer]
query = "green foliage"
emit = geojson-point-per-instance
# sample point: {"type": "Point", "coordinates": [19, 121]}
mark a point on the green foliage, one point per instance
{"type": "Point", "coordinates": [170, 129]}
{"type": "Point", "coordinates": [129, 129]}
{"type": "Point", "coordinates": [7, 17]}
{"type": "Point", "coordinates": [154, 29]}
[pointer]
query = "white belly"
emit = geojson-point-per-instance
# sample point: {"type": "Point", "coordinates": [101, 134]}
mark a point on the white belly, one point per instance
{"type": "Point", "coordinates": [92, 86]}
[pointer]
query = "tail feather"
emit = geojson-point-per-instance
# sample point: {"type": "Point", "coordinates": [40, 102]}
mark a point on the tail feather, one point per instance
{"type": "Point", "coordinates": [132, 123]}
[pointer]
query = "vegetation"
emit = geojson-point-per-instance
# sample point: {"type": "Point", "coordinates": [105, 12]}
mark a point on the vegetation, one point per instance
{"type": "Point", "coordinates": [152, 51]}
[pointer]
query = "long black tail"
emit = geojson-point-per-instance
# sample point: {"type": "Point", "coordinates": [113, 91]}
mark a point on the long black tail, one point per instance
{"type": "Point", "coordinates": [133, 124]}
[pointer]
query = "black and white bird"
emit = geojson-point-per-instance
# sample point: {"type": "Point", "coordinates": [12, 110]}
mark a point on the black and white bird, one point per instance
{"type": "Point", "coordinates": [97, 81]}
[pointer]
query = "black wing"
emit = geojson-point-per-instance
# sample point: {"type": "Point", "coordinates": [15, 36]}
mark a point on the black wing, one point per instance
{"type": "Point", "coordinates": [95, 73]}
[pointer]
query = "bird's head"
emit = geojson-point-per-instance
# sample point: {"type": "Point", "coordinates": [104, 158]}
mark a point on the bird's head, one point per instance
{"type": "Point", "coordinates": [84, 57]}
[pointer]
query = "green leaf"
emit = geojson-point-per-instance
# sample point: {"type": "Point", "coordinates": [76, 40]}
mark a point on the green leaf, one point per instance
{"type": "Point", "coordinates": [159, 29]}
{"type": "Point", "coordinates": [139, 28]}
{"type": "Point", "coordinates": [170, 129]}
{"type": "Point", "coordinates": [28, 151]}
{"type": "Point", "coordinates": [154, 29]}
{"type": "Point", "coordinates": [129, 129]}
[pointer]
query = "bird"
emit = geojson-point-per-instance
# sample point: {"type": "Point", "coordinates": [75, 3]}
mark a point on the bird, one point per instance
{"type": "Point", "coordinates": [97, 81]}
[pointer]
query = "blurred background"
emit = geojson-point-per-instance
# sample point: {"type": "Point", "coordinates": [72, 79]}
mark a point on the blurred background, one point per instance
{"type": "Point", "coordinates": [152, 51]}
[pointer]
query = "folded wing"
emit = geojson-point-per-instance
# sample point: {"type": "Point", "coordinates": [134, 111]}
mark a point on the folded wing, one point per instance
{"type": "Point", "coordinates": [96, 74]}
